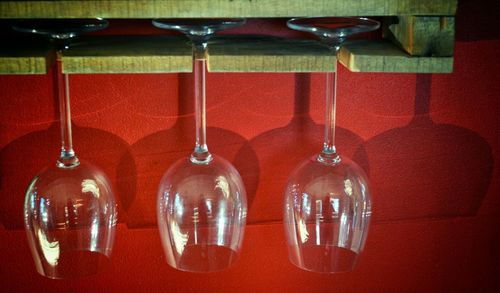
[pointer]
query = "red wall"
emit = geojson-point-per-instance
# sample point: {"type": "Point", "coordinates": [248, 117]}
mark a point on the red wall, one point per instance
{"type": "Point", "coordinates": [430, 144]}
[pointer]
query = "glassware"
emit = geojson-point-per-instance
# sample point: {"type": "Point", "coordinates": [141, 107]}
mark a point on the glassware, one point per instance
{"type": "Point", "coordinates": [202, 203]}
{"type": "Point", "coordinates": [69, 210]}
{"type": "Point", "coordinates": [327, 199]}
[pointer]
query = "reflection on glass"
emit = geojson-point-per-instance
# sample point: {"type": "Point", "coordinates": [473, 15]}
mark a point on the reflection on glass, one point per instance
{"type": "Point", "coordinates": [50, 250]}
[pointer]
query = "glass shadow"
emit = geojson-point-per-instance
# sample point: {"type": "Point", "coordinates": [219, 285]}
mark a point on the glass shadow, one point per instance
{"type": "Point", "coordinates": [103, 149]}
{"type": "Point", "coordinates": [280, 150]}
{"type": "Point", "coordinates": [155, 153]}
{"type": "Point", "coordinates": [425, 169]}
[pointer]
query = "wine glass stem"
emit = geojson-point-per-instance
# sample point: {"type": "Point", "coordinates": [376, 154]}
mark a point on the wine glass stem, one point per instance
{"type": "Point", "coordinates": [329, 154]}
{"type": "Point", "coordinates": [330, 113]}
{"type": "Point", "coordinates": [200, 155]}
{"type": "Point", "coordinates": [67, 158]}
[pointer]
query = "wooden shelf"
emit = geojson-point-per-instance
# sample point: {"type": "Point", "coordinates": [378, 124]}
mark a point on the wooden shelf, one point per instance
{"type": "Point", "coordinates": [221, 8]}
{"type": "Point", "coordinates": [129, 54]}
{"type": "Point", "coordinates": [268, 54]}
{"type": "Point", "coordinates": [167, 54]}
{"type": "Point", "coordinates": [383, 56]}
{"type": "Point", "coordinates": [420, 27]}
{"type": "Point", "coordinates": [164, 54]}
{"type": "Point", "coordinates": [22, 57]}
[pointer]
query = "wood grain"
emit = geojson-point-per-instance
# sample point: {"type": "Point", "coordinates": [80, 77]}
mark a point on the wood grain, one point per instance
{"type": "Point", "coordinates": [221, 8]}
{"type": "Point", "coordinates": [383, 56]}
{"type": "Point", "coordinates": [261, 54]}
{"type": "Point", "coordinates": [129, 54]}
{"type": "Point", "coordinates": [424, 35]}
{"type": "Point", "coordinates": [163, 54]}
{"type": "Point", "coordinates": [19, 56]}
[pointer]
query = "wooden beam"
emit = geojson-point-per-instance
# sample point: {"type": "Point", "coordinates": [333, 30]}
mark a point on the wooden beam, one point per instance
{"type": "Point", "coordinates": [261, 54]}
{"type": "Point", "coordinates": [18, 56]}
{"type": "Point", "coordinates": [383, 56]}
{"type": "Point", "coordinates": [129, 54]}
{"type": "Point", "coordinates": [150, 54]}
{"type": "Point", "coordinates": [221, 8]}
{"type": "Point", "coordinates": [163, 54]}
{"type": "Point", "coordinates": [424, 35]}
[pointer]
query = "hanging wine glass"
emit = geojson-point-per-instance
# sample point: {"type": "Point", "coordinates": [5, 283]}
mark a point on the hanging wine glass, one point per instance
{"type": "Point", "coordinates": [69, 209]}
{"type": "Point", "coordinates": [327, 199]}
{"type": "Point", "coordinates": [202, 203]}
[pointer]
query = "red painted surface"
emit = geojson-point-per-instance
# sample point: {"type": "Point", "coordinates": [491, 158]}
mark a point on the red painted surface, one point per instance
{"type": "Point", "coordinates": [430, 144]}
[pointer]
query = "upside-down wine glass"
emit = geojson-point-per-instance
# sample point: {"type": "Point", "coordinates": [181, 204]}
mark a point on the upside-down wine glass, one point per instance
{"type": "Point", "coordinates": [327, 199]}
{"type": "Point", "coordinates": [69, 209]}
{"type": "Point", "coordinates": [201, 205]}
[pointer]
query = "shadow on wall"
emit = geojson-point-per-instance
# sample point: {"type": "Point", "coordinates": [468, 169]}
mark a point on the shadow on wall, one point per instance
{"type": "Point", "coordinates": [155, 153]}
{"type": "Point", "coordinates": [426, 170]}
{"type": "Point", "coordinates": [23, 158]}
{"type": "Point", "coordinates": [280, 150]}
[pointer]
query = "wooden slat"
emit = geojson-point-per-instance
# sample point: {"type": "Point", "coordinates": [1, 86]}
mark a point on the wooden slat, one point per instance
{"type": "Point", "coordinates": [424, 35]}
{"type": "Point", "coordinates": [260, 54]}
{"type": "Point", "coordinates": [148, 54]}
{"type": "Point", "coordinates": [129, 54]}
{"type": "Point", "coordinates": [221, 8]}
{"type": "Point", "coordinates": [161, 54]}
{"type": "Point", "coordinates": [17, 56]}
{"type": "Point", "coordinates": [383, 56]}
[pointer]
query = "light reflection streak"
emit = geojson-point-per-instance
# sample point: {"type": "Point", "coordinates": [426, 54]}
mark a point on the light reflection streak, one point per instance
{"type": "Point", "coordinates": [306, 204]}
{"type": "Point", "coordinates": [220, 232]}
{"type": "Point", "coordinates": [303, 234]}
{"type": "Point", "coordinates": [178, 205]}
{"type": "Point", "coordinates": [180, 239]}
{"type": "Point", "coordinates": [343, 231]}
{"type": "Point", "coordinates": [319, 219]}
{"type": "Point", "coordinates": [66, 215]}
{"type": "Point", "coordinates": [348, 187]}
{"type": "Point", "coordinates": [222, 184]}
{"type": "Point", "coordinates": [43, 211]}
{"type": "Point", "coordinates": [221, 225]}
{"type": "Point", "coordinates": [196, 220]}
{"type": "Point", "coordinates": [208, 204]}
{"type": "Point", "coordinates": [89, 185]}
{"type": "Point", "coordinates": [50, 250]}
{"type": "Point", "coordinates": [334, 202]}
{"type": "Point", "coordinates": [94, 233]}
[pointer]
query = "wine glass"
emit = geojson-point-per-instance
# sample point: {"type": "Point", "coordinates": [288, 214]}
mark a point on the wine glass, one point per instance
{"type": "Point", "coordinates": [69, 209]}
{"type": "Point", "coordinates": [327, 203]}
{"type": "Point", "coordinates": [202, 202]}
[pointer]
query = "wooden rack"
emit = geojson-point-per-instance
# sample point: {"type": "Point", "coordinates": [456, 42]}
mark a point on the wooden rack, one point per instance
{"type": "Point", "coordinates": [418, 37]}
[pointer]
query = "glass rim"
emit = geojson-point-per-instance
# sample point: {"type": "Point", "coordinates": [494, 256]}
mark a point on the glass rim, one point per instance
{"type": "Point", "coordinates": [56, 27]}
{"type": "Point", "coordinates": [348, 25]}
{"type": "Point", "coordinates": [188, 24]}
